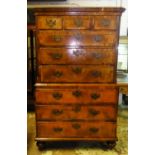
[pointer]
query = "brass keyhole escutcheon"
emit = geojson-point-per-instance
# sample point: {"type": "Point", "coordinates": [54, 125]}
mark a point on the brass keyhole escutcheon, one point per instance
{"type": "Point", "coordinates": [78, 22]}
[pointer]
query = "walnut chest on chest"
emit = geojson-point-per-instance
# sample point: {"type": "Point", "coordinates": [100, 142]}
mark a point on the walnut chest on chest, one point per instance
{"type": "Point", "coordinates": [76, 93]}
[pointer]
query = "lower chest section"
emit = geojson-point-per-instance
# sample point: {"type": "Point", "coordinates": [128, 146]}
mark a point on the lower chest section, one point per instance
{"type": "Point", "coordinates": [76, 111]}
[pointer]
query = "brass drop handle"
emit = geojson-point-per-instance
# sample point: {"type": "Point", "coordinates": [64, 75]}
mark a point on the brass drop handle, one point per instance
{"type": "Point", "coordinates": [96, 74]}
{"type": "Point", "coordinates": [105, 22]}
{"type": "Point", "coordinates": [57, 129]}
{"type": "Point", "coordinates": [98, 38]}
{"type": "Point", "coordinates": [77, 52]}
{"type": "Point", "coordinates": [93, 112]}
{"type": "Point", "coordinates": [56, 55]}
{"type": "Point", "coordinates": [57, 95]}
{"type": "Point", "coordinates": [76, 126]}
{"type": "Point", "coordinates": [51, 22]}
{"type": "Point", "coordinates": [97, 55]}
{"type": "Point", "coordinates": [95, 96]}
{"type": "Point", "coordinates": [57, 38]}
{"type": "Point", "coordinates": [77, 93]}
{"type": "Point", "coordinates": [58, 74]}
{"type": "Point", "coordinates": [77, 70]}
{"type": "Point", "coordinates": [78, 22]}
{"type": "Point", "coordinates": [57, 112]}
{"type": "Point", "coordinates": [93, 130]}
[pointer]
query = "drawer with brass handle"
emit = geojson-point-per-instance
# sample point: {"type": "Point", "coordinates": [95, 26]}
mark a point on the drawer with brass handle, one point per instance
{"type": "Point", "coordinates": [106, 22]}
{"type": "Point", "coordinates": [84, 38]}
{"type": "Point", "coordinates": [76, 56]}
{"type": "Point", "coordinates": [77, 73]}
{"type": "Point", "coordinates": [77, 94]}
{"type": "Point", "coordinates": [76, 112]}
{"type": "Point", "coordinates": [77, 22]}
{"type": "Point", "coordinates": [57, 129]}
{"type": "Point", "coordinates": [49, 22]}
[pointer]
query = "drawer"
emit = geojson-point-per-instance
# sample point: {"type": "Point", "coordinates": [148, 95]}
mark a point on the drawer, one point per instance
{"type": "Point", "coordinates": [76, 112]}
{"type": "Point", "coordinates": [77, 73]}
{"type": "Point", "coordinates": [77, 22]}
{"type": "Point", "coordinates": [77, 94]}
{"type": "Point", "coordinates": [77, 38]}
{"type": "Point", "coordinates": [49, 22]}
{"type": "Point", "coordinates": [106, 22]}
{"type": "Point", "coordinates": [98, 129]}
{"type": "Point", "coordinates": [76, 56]}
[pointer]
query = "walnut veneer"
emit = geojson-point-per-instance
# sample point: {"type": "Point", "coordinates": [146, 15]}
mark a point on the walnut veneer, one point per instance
{"type": "Point", "coordinates": [76, 95]}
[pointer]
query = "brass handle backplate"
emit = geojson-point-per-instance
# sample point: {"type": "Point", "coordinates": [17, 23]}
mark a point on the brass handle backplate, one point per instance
{"type": "Point", "coordinates": [56, 55]}
{"type": "Point", "coordinates": [98, 38]}
{"type": "Point", "coordinates": [96, 73]}
{"type": "Point", "coordinates": [93, 112]}
{"type": "Point", "coordinates": [105, 22]}
{"type": "Point", "coordinates": [57, 129]}
{"type": "Point", "coordinates": [57, 95]}
{"type": "Point", "coordinates": [77, 93]}
{"type": "Point", "coordinates": [93, 130]}
{"type": "Point", "coordinates": [57, 112]}
{"type": "Point", "coordinates": [58, 74]}
{"type": "Point", "coordinates": [57, 38]}
{"type": "Point", "coordinates": [51, 22]}
{"type": "Point", "coordinates": [77, 70]}
{"type": "Point", "coordinates": [95, 96]}
{"type": "Point", "coordinates": [77, 52]}
{"type": "Point", "coordinates": [97, 55]}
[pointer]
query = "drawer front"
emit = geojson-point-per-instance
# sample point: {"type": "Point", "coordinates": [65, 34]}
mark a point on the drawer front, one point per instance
{"type": "Point", "coordinates": [77, 38]}
{"type": "Point", "coordinates": [106, 22]}
{"type": "Point", "coordinates": [77, 73]}
{"type": "Point", "coordinates": [77, 22]}
{"type": "Point", "coordinates": [76, 129]}
{"type": "Point", "coordinates": [75, 112]}
{"type": "Point", "coordinates": [77, 94]}
{"type": "Point", "coordinates": [76, 56]}
{"type": "Point", "coordinates": [49, 22]}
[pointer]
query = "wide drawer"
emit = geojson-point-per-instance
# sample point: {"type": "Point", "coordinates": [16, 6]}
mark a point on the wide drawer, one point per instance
{"type": "Point", "coordinates": [76, 112]}
{"type": "Point", "coordinates": [76, 129]}
{"type": "Point", "coordinates": [106, 22]}
{"type": "Point", "coordinates": [49, 22]}
{"type": "Point", "coordinates": [77, 73]}
{"type": "Point", "coordinates": [77, 94]}
{"type": "Point", "coordinates": [76, 56]}
{"type": "Point", "coordinates": [76, 38]}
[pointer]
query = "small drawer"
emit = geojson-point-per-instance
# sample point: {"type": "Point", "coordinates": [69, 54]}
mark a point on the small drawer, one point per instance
{"type": "Point", "coordinates": [73, 38]}
{"type": "Point", "coordinates": [76, 73]}
{"type": "Point", "coordinates": [76, 112]}
{"type": "Point", "coordinates": [76, 94]}
{"type": "Point", "coordinates": [76, 56]}
{"type": "Point", "coordinates": [98, 129]}
{"type": "Point", "coordinates": [77, 22]}
{"type": "Point", "coordinates": [106, 22]}
{"type": "Point", "coordinates": [49, 22]}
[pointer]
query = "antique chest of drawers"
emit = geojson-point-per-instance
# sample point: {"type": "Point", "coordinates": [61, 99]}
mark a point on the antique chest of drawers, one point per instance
{"type": "Point", "coordinates": [76, 93]}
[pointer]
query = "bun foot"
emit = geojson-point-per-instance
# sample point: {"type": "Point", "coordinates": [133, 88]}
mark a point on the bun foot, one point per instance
{"type": "Point", "coordinates": [108, 145]}
{"type": "Point", "coordinates": [41, 145]}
